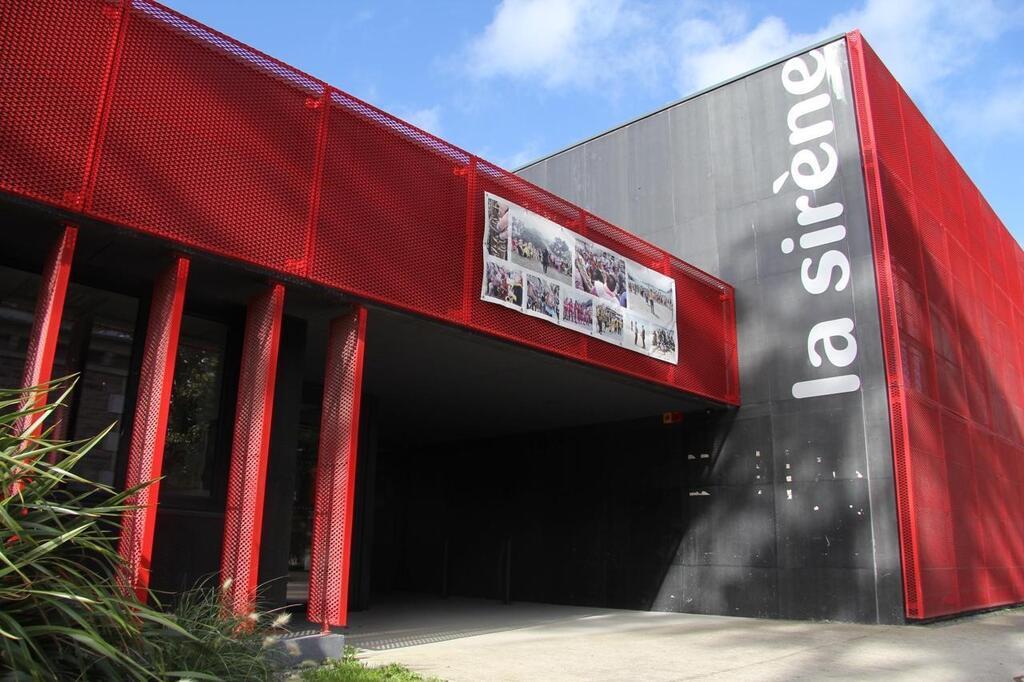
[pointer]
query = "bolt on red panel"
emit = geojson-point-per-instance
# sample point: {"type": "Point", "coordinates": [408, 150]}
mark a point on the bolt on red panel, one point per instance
{"type": "Point", "coordinates": [247, 478]}
{"type": "Point", "coordinates": [336, 471]}
{"type": "Point", "coordinates": [149, 428]}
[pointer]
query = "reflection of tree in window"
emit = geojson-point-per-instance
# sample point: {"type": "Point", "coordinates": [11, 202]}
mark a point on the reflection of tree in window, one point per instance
{"type": "Point", "coordinates": [195, 407]}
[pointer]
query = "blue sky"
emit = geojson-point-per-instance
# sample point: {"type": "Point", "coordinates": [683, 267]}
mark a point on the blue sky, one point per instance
{"type": "Point", "coordinates": [513, 80]}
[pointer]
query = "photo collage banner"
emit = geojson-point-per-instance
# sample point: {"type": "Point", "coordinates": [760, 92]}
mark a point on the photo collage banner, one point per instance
{"type": "Point", "coordinates": [540, 268]}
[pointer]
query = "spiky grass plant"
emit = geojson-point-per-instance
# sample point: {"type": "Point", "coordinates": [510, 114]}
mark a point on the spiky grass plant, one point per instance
{"type": "Point", "coordinates": [222, 645]}
{"type": "Point", "coordinates": [62, 613]}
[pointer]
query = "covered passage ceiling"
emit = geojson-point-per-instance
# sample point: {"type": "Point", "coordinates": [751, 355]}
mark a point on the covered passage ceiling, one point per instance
{"type": "Point", "coordinates": [442, 383]}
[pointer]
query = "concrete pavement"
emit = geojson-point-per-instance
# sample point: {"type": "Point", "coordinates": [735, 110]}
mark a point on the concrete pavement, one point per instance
{"type": "Point", "coordinates": [464, 639]}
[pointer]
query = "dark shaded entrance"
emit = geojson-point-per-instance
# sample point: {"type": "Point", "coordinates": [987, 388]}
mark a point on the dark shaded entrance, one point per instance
{"type": "Point", "coordinates": [488, 470]}
{"type": "Point", "coordinates": [566, 516]}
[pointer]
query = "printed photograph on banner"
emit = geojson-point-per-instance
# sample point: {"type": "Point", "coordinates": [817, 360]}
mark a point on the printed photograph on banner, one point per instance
{"type": "Point", "coordinates": [663, 344]}
{"type": "Point", "coordinates": [542, 297]}
{"type": "Point", "coordinates": [599, 272]}
{"type": "Point", "coordinates": [496, 219]}
{"type": "Point", "coordinates": [503, 284]}
{"type": "Point", "coordinates": [638, 333]}
{"type": "Point", "coordinates": [608, 322]}
{"type": "Point", "coordinates": [542, 269]}
{"type": "Point", "coordinates": [578, 311]}
{"type": "Point", "coordinates": [542, 246]}
{"type": "Point", "coordinates": [651, 294]}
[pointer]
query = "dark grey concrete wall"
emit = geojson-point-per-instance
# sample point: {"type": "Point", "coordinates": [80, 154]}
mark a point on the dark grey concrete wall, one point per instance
{"type": "Point", "coordinates": [797, 492]}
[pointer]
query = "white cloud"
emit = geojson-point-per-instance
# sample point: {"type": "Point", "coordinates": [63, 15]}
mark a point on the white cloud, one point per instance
{"type": "Point", "coordinates": [428, 119]}
{"type": "Point", "coordinates": [511, 159]}
{"type": "Point", "coordinates": [558, 42]}
{"type": "Point", "coordinates": [921, 41]}
{"type": "Point", "coordinates": [1004, 111]}
{"type": "Point", "coordinates": [588, 43]}
{"type": "Point", "coordinates": [992, 116]}
{"type": "Point", "coordinates": [924, 41]}
{"type": "Point", "coordinates": [530, 152]}
{"type": "Point", "coordinates": [615, 46]}
{"type": "Point", "coordinates": [713, 49]}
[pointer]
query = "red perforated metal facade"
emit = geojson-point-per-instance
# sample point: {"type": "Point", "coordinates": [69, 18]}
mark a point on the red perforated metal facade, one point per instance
{"type": "Point", "coordinates": [149, 429]}
{"type": "Point", "coordinates": [250, 446]}
{"type": "Point", "coordinates": [136, 115]}
{"type": "Point", "coordinates": [42, 343]}
{"type": "Point", "coordinates": [949, 280]}
{"type": "Point", "coordinates": [336, 471]}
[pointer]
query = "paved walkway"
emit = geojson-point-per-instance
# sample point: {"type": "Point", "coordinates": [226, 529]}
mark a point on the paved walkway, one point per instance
{"type": "Point", "coordinates": [463, 639]}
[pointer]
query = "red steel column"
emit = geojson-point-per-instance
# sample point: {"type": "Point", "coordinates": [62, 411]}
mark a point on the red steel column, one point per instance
{"type": "Point", "coordinates": [243, 518]}
{"type": "Point", "coordinates": [336, 471]}
{"type": "Point", "coordinates": [42, 344]}
{"type": "Point", "coordinates": [149, 430]}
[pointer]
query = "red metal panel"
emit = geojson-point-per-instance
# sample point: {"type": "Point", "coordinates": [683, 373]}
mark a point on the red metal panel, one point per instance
{"type": "Point", "coordinates": [207, 141]}
{"type": "Point", "coordinates": [173, 129]}
{"type": "Point", "coordinates": [950, 296]}
{"type": "Point", "coordinates": [42, 344]}
{"type": "Point", "coordinates": [149, 429]}
{"type": "Point", "coordinates": [243, 517]}
{"type": "Point", "coordinates": [393, 201]}
{"type": "Point", "coordinates": [336, 471]}
{"type": "Point", "coordinates": [55, 59]}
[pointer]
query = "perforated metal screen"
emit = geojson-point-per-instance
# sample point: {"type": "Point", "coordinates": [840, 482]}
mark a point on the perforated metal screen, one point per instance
{"type": "Point", "coordinates": [134, 114]}
{"type": "Point", "coordinates": [149, 429]}
{"type": "Point", "coordinates": [949, 276]}
{"type": "Point", "coordinates": [42, 343]}
{"type": "Point", "coordinates": [336, 471]}
{"type": "Point", "coordinates": [250, 446]}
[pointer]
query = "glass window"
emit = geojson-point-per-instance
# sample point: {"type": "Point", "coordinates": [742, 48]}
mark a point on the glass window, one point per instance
{"type": "Point", "coordinates": [96, 341]}
{"type": "Point", "coordinates": [97, 333]}
{"type": "Point", "coordinates": [17, 309]}
{"type": "Point", "coordinates": [192, 425]}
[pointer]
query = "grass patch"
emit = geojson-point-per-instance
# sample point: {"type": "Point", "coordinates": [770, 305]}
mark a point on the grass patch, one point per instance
{"type": "Point", "coordinates": [350, 669]}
